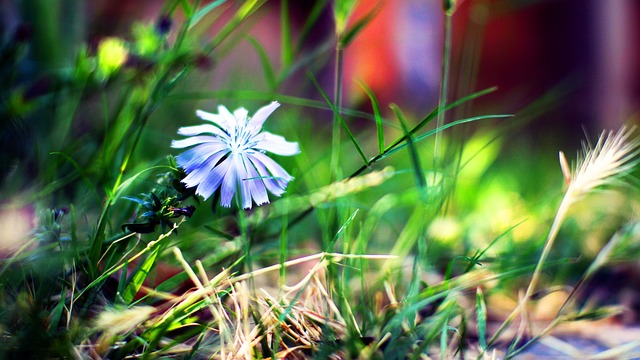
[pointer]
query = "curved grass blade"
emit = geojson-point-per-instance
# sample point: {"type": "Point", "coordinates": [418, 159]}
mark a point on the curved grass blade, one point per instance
{"type": "Point", "coordinates": [376, 113]}
{"type": "Point", "coordinates": [269, 74]}
{"type": "Point", "coordinates": [359, 25]}
{"type": "Point", "coordinates": [204, 11]}
{"type": "Point", "coordinates": [336, 113]}
{"type": "Point", "coordinates": [446, 126]}
{"type": "Point", "coordinates": [139, 276]}
{"type": "Point", "coordinates": [415, 159]}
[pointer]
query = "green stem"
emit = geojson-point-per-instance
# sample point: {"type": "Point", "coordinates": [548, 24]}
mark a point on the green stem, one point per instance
{"type": "Point", "coordinates": [337, 95]}
{"type": "Point", "coordinates": [444, 88]}
{"type": "Point", "coordinates": [553, 233]}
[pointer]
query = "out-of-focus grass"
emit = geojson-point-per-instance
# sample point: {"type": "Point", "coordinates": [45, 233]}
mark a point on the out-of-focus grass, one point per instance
{"type": "Point", "coordinates": [376, 250]}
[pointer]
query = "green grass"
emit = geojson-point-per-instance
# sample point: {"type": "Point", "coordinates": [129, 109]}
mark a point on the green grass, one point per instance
{"type": "Point", "coordinates": [393, 241]}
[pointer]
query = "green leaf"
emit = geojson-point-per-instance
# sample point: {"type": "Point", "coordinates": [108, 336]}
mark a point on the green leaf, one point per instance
{"type": "Point", "coordinates": [342, 229]}
{"type": "Point", "coordinates": [269, 74]}
{"type": "Point", "coordinates": [376, 113]}
{"type": "Point", "coordinates": [351, 34]}
{"type": "Point", "coordinates": [388, 150]}
{"type": "Point", "coordinates": [56, 313]}
{"type": "Point", "coordinates": [342, 11]}
{"type": "Point", "coordinates": [286, 52]}
{"type": "Point", "coordinates": [481, 318]}
{"type": "Point", "coordinates": [446, 126]}
{"type": "Point", "coordinates": [415, 159]}
{"type": "Point", "coordinates": [139, 275]}
{"type": "Point", "coordinates": [434, 113]}
{"type": "Point", "coordinates": [187, 8]}
{"type": "Point", "coordinates": [219, 232]}
{"type": "Point", "coordinates": [204, 11]}
{"type": "Point", "coordinates": [342, 122]}
{"type": "Point", "coordinates": [246, 9]}
{"type": "Point", "coordinates": [79, 171]}
{"type": "Point", "coordinates": [476, 258]}
{"type": "Point", "coordinates": [125, 184]}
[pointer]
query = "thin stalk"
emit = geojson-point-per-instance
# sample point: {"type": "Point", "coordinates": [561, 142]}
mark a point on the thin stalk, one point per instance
{"type": "Point", "coordinates": [444, 88]}
{"type": "Point", "coordinates": [285, 36]}
{"type": "Point", "coordinates": [337, 96]}
{"type": "Point", "coordinates": [244, 236]}
{"type": "Point", "coordinates": [553, 232]}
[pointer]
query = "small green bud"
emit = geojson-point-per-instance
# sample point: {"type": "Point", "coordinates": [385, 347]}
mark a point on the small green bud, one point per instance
{"type": "Point", "coordinates": [449, 6]}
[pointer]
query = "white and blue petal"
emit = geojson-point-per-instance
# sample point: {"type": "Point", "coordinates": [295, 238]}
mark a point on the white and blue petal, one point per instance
{"type": "Point", "coordinates": [214, 118]}
{"type": "Point", "coordinates": [274, 176]}
{"type": "Point", "coordinates": [255, 124]}
{"type": "Point", "coordinates": [195, 157]}
{"type": "Point", "coordinates": [276, 144]}
{"type": "Point", "coordinates": [200, 173]}
{"type": "Point", "coordinates": [200, 129]}
{"type": "Point", "coordinates": [212, 182]}
{"type": "Point", "coordinates": [230, 181]}
{"type": "Point", "coordinates": [255, 184]}
{"type": "Point", "coordinates": [194, 140]}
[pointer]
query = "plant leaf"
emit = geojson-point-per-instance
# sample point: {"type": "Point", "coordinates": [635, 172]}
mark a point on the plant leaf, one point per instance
{"type": "Point", "coordinates": [139, 275]}
{"type": "Point", "coordinates": [204, 11]}
{"type": "Point", "coordinates": [342, 122]}
{"type": "Point", "coordinates": [481, 318]}
{"type": "Point", "coordinates": [376, 113]}
{"type": "Point", "coordinates": [269, 74]}
{"type": "Point", "coordinates": [415, 159]}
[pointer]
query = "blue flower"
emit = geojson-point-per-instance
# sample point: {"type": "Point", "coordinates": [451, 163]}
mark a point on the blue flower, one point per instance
{"type": "Point", "coordinates": [229, 153]}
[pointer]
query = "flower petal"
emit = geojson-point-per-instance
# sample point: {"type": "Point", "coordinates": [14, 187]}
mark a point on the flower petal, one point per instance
{"type": "Point", "coordinates": [194, 140]}
{"type": "Point", "coordinates": [200, 129]}
{"type": "Point", "coordinates": [229, 119]}
{"type": "Point", "coordinates": [276, 144]}
{"type": "Point", "coordinates": [214, 118]}
{"type": "Point", "coordinates": [274, 176]}
{"type": "Point", "coordinates": [241, 115]}
{"type": "Point", "coordinates": [255, 124]}
{"type": "Point", "coordinates": [229, 182]}
{"type": "Point", "coordinates": [255, 184]}
{"type": "Point", "coordinates": [213, 179]}
{"type": "Point", "coordinates": [242, 173]}
{"type": "Point", "coordinates": [200, 173]}
{"type": "Point", "coordinates": [195, 157]}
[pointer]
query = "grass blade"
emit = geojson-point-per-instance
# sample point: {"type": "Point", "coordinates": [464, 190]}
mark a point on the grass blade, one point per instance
{"type": "Point", "coordinates": [340, 119]}
{"type": "Point", "coordinates": [446, 126]}
{"type": "Point", "coordinates": [481, 318]}
{"type": "Point", "coordinates": [376, 113]}
{"type": "Point", "coordinates": [269, 74]}
{"type": "Point", "coordinates": [415, 159]}
{"type": "Point", "coordinates": [204, 11]}
{"type": "Point", "coordinates": [388, 150]}
{"type": "Point", "coordinates": [139, 275]}
{"type": "Point", "coordinates": [286, 52]}
{"type": "Point", "coordinates": [347, 37]}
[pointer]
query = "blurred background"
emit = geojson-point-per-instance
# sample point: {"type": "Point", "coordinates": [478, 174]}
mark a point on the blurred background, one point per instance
{"type": "Point", "coordinates": [577, 57]}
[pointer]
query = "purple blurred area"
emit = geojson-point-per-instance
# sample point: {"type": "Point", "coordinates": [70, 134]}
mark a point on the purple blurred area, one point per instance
{"type": "Point", "coordinates": [561, 65]}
